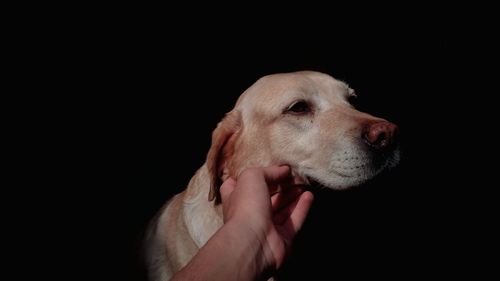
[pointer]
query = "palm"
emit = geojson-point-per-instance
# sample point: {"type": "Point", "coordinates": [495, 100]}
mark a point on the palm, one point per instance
{"type": "Point", "coordinates": [287, 210]}
{"type": "Point", "coordinates": [278, 219]}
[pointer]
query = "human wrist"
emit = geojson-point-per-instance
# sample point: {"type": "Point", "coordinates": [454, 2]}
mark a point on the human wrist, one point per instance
{"type": "Point", "coordinates": [252, 241]}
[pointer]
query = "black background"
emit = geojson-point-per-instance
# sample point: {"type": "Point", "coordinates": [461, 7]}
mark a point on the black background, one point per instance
{"type": "Point", "coordinates": [117, 103]}
{"type": "Point", "coordinates": [175, 86]}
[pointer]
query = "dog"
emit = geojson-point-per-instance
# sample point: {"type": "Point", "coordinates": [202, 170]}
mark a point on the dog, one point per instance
{"type": "Point", "coordinates": [301, 119]}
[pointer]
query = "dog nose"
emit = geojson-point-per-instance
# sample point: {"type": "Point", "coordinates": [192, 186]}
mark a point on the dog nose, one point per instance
{"type": "Point", "coordinates": [381, 135]}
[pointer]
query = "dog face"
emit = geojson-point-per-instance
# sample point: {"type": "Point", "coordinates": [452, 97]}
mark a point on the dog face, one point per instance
{"type": "Point", "coordinates": [302, 119]}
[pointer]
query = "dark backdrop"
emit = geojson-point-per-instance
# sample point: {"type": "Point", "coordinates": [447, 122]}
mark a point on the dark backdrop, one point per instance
{"type": "Point", "coordinates": [176, 88]}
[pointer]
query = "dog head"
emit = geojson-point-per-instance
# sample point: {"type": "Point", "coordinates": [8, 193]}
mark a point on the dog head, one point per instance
{"type": "Point", "coordinates": [302, 119]}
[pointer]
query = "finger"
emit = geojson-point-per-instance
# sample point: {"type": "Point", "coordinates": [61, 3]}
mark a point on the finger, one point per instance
{"type": "Point", "coordinates": [284, 198]}
{"type": "Point", "coordinates": [268, 177]}
{"type": "Point", "coordinates": [277, 178]}
{"type": "Point", "coordinates": [227, 188]}
{"type": "Point", "coordinates": [299, 213]}
{"type": "Point", "coordinates": [296, 211]}
{"type": "Point", "coordinates": [275, 174]}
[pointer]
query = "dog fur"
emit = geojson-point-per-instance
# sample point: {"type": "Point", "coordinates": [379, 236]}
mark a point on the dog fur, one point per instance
{"type": "Point", "coordinates": [302, 119]}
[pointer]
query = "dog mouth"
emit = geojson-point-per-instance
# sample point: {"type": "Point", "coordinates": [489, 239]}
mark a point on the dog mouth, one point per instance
{"type": "Point", "coordinates": [351, 175]}
{"type": "Point", "coordinates": [314, 186]}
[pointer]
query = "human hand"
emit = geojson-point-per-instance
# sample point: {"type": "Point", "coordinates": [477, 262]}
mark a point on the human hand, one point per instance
{"type": "Point", "coordinates": [263, 202]}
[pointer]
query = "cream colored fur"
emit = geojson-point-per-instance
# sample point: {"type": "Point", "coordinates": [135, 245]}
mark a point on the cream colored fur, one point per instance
{"type": "Point", "coordinates": [323, 146]}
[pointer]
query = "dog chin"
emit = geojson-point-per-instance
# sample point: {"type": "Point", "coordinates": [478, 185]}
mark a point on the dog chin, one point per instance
{"type": "Point", "coordinates": [335, 183]}
{"type": "Point", "coordinates": [338, 180]}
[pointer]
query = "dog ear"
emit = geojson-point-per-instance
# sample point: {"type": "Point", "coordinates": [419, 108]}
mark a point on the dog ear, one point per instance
{"type": "Point", "coordinates": [223, 140]}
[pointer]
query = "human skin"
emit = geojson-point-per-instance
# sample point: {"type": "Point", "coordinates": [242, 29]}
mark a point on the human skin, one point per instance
{"type": "Point", "coordinates": [263, 211]}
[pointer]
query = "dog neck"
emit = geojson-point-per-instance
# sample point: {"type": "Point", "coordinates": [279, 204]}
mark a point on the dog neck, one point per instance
{"type": "Point", "coordinates": [202, 217]}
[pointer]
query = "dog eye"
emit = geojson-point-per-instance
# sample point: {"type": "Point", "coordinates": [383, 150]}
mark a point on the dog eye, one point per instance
{"type": "Point", "coordinates": [299, 107]}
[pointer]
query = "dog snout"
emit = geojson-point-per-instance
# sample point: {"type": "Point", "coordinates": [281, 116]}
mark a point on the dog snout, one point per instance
{"type": "Point", "coordinates": [381, 135]}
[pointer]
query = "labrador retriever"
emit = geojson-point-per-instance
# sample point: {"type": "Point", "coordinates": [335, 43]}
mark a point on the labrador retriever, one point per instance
{"type": "Point", "coordinates": [302, 119]}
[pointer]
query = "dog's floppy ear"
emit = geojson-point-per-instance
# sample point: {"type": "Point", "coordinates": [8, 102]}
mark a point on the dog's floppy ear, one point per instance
{"type": "Point", "coordinates": [223, 139]}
